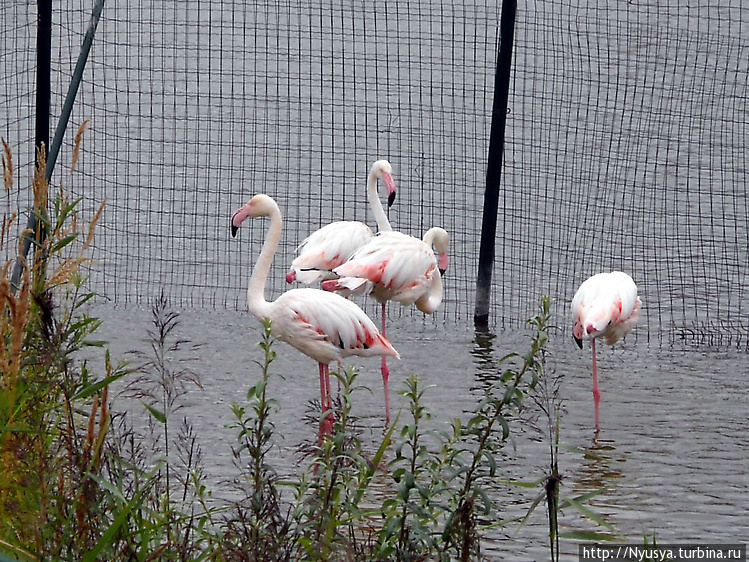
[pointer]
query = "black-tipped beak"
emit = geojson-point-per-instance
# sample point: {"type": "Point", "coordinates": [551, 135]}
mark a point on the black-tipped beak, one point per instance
{"type": "Point", "coordinates": [391, 198]}
{"type": "Point", "coordinates": [234, 230]}
{"type": "Point", "coordinates": [442, 272]}
{"type": "Point", "coordinates": [578, 341]}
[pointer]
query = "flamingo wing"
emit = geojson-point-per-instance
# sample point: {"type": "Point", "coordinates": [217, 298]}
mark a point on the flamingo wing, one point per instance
{"type": "Point", "coordinates": [326, 248]}
{"type": "Point", "coordinates": [326, 327]}
{"type": "Point", "coordinates": [393, 266]}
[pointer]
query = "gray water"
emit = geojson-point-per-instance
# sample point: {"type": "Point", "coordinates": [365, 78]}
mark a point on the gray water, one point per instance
{"type": "Point", "coordinates": [672, 447]}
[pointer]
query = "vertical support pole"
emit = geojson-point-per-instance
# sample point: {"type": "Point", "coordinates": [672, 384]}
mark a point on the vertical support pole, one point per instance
{"type": "Point", "coordinates": [43, 71]}
{"type": "Point", "coordinates": [494, 165]}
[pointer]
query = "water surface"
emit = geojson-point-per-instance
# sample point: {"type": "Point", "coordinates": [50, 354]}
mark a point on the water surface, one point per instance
{"type": "Point", "coordinates": [672, 447]}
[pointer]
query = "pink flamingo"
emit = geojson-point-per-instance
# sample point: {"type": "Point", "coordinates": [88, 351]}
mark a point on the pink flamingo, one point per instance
{"type": "Point", "coordinates": [396, 267]}
{"type": "Point", "coordinates": [328, 247]}
{"type": "Point", "coordinates": [605, 306]}
{"type": "Point", "coordinates": [323, 326]}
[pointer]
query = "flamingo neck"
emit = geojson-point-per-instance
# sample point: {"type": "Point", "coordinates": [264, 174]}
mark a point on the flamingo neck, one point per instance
{"type": "Point", "coordinates": [256, 290]}
{"type": "Point", "coordinates": [383, 224]}
{"type": "Point", "coordinates": [429, 302]}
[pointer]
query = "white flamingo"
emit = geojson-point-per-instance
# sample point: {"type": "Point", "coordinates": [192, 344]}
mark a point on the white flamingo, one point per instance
{"type": "Point", "coordinates": [324, 326]}
{"type": "Point", "coordinates": [330, 246]}
{"type": "Point", "coordinates": [396, 267]}
{"type": "Point", "coordinates": [605, 306]}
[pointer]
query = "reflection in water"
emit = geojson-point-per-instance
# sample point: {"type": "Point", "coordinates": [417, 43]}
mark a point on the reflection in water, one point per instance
{"type": "Point", "coordinates": [483, 354]}
{"type": "Point", "coordinates": [599, 466]}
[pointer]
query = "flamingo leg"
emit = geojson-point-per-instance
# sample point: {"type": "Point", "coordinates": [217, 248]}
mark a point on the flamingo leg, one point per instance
{"type": "Point", "coordinates": [385, 374]}
{"type": "Point", "coordinates": [596, 392]}
{"type": "Point", "coordinates": [325, 404]}
{"type": "Point", "coordinates": [327, 388]}
{"type": "Point", "coordinates": [322, 386]}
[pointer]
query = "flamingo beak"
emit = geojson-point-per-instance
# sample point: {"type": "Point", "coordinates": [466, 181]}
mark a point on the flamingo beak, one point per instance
{"type": "Point", "coordinates": [236, 219]}
{"type": "Point", "coordinates": [387, 179]}
{"type": "Point", "coordinates": [442, 262]}
{"type": "Point", "coordinates": [578, 341]}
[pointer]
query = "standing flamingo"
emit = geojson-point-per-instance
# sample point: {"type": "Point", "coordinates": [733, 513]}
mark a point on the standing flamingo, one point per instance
{"type": "Point", "coordinates": [323, 326]}
{"type": "Point", "coordinates": [330, 246]}
{"type": "Point", "coordinates": [607, 306]}
{"type": "Point", "coordinates": [396, 267]}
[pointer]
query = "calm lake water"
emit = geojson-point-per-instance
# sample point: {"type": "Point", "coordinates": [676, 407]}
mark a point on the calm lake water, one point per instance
{"type": "Point", "coordinates": [672, 448]}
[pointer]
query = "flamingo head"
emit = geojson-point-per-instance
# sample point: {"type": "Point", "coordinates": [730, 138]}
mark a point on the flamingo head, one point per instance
{"type": "Point", "coordinates": [384, 171]}
{"type": "Point", "coordinates": [439, 240]}
{"type": "Point", "coordinates": [259, 206]}
{"type": "Point", "coordinates": [577, 333]}
{"type": "Point", "coordinates": [592, 327]}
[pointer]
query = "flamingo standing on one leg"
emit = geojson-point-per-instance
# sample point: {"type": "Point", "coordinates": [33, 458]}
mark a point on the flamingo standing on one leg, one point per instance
{"type": "Point", "coordinates": [321, 325]}
{"type": "Point", "coordinates": [330, 246]}
{"type": "Point", "coordinates": [605, 306]}
{"type": "Point", "coordinates": [396, 267]}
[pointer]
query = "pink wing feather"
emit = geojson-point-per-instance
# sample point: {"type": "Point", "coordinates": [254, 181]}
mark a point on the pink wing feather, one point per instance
{"type": "Point", "coordinates": [326, 326]}
{"type": "Point", "coordinates": [393, 266]}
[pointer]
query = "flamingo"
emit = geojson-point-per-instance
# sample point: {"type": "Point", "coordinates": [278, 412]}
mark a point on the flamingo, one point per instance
{"type": "Point", "coordinates": [323, 326]}
{"type": "Point", "coordinates": [328, 247]}
{"type": "Point", "coordinates": [605, 306]}
{"type": "Point", "coordinates": [396, 267]}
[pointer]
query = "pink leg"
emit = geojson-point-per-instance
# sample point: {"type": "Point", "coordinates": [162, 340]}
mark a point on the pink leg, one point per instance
{"type": "Point", "coordinates": [596, 392]}
{"type": "Point", "coordinates": [323, 402]}
{"type": "Point", "coordinates": [327, 388]}
{"type": "Point", "coordinates": [325, 405]}
{"type": "Point", "coordinates": [385, 374]}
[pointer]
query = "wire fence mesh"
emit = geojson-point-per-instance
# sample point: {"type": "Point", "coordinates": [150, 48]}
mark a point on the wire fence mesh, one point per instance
{"type": "Point", "coordinates": [625, 149]}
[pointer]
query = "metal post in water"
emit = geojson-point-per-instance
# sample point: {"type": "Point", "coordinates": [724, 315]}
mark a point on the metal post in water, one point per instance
{"type": "Point", "coordinates": [62, 125]}
{"type": "Point", "coordinates": [494, 164]}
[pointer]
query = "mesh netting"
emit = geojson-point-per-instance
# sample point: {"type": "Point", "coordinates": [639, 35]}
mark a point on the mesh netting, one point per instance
{"type": "Point", "coordinates": [626, 142]}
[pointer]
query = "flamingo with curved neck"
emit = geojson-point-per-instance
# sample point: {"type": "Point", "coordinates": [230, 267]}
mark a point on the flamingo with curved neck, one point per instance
{"type": "Point", "coordinates": [324, 326]}
{"type": "Point", "coordinates": [326, 248]}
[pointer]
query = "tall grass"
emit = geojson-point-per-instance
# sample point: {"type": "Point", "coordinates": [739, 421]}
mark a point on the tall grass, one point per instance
{"type": "Point", "coordinates": [79, 480]}
{"type": "Point", "coordinates": [54, 414]}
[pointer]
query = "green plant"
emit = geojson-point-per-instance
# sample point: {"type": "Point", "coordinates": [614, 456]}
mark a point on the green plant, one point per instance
{"type": "Point", "coordinates": [54, 412]}
{"type": "Point", "coordinates": [164, 510]}
{"type": "Point", "coordinates": [257, 529]}
{"type": "Point", "coordinates": [547, 397]}
{"type": "Point", "coordinates": [443, 499]}
{"type": "Point", "coordinates": [328, 509]}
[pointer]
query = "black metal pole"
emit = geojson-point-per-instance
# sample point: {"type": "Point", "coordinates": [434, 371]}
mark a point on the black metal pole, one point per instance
{"type": "Point", "coordinates": [494, 164]}
{"type": "Point", "coordinates": [62, 126]}
{"type": "Point", "coordinates": [43, 58]}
